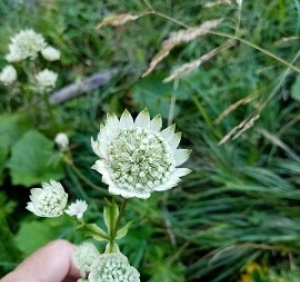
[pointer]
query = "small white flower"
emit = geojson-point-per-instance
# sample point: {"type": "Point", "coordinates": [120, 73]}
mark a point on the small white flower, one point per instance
{"type": "Point", "coordinates": [138, 158]}
{"type": "Point", "coordinates": [77, 209]}
{"type": "Point", "coordinates": [50, 53]}
{"type": "Point", "coordinates": [62, 141]}
{"type": "Point", "coordinates": [46, 80]}
{"type": "Point", "coordinates": [239, 2]}
{"type": "Point", "coordinates": [26, 44]}
{"type": "Point", "coordinates": [48, 201]}
{"type": "Point", "coordinates": [8, 75]}
{"type": "Point", "coordinates": [84, 256]}
{"type": "Point", "coordinates": [113, 267]}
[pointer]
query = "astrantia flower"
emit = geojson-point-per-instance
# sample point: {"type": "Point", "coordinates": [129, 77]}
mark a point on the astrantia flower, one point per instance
{"type": "Point", "coordinates": [46, 80]}
{"type": "Point", "coordinates": [26, 44]}
{"type": "Point", "coordinates": [50, 53]}
{"type": "Point", "coordinates": [8, 75]}
{"type": "Point", "coordinates": [77, 209]}
{"type": "Point", "coordinates": [84, 256]}
{"type": "Point", "coordinates": [62, 141]}
{"type": "Point", "coordinates": [113, 267]}
{"type": "Point", "coordinates": [49, 201]}
{"type": "Point", "coordinates": [136, 157]}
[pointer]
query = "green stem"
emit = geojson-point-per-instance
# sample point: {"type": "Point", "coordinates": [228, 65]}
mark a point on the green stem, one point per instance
{"type": "Point", "coordinates": [116, 227]}
{"type": "Point", "coordinates": [86, 180]}
{"type": "Point", "coordinates": [50, 112]}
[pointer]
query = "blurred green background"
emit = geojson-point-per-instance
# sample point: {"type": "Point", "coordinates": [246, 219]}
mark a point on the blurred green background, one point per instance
{"type": "Point", "coordinates": [236, 217]}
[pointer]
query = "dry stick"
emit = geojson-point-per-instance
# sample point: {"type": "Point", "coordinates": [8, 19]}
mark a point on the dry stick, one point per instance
{"type": "Point", "coordinates": [75, 89]}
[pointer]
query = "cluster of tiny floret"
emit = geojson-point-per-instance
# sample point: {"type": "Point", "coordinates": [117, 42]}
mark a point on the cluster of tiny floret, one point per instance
{"type": "Point", "coordinates": [49, 201]}
{"type": "Point", "coordinates": [27, 44]}
{"type": "Point", "coordinates": [84, 256]}
{"type": "Point", "coordinates": [113, 267]}
{"type": "Point", "coordinates": [139, 159]}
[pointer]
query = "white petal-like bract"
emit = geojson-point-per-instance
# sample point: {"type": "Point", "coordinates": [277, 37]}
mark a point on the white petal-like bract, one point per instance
{"type": "Point", "coordinates": [136, 158]}
{"type": "Point", "coordinates": [48, 201]}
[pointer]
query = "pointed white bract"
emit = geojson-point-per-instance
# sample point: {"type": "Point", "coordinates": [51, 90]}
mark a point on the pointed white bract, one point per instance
{"type": "Point", "coordinates": [113, 267]}
{"type": "Point", "coordinates": [48, 201]}
{"type": "Point", "coordinates": [77, 209]}
{"type": "Point", "coordinates": [136, 157]}
{"type": "Point", "coordinates": [26, 44]}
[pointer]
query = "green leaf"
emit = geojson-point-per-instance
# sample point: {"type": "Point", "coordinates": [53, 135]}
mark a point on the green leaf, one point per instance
{"type": "Point", "coordinates": [35, 234]}
{"type": "Point", "coordinates": [12, 127]}
{"type": "Point", "coordinates": [110, 214]}
{"type": "Point", "coordinates": [152, 93]}
{"type": "Point", "coordinates": [122, 232]}
{"type": "Point", "coordinates": [295, 93]}
{"type": "Point", "coordinates": [92, 230]}
{"type": "Point", "coordinates": [32, 160]}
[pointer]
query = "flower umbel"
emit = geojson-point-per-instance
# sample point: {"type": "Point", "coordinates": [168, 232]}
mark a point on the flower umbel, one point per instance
{"type": "Point", "coordinates": [77, 209]}
{"type": "Point", "coordinates": [84, 256]}
{"type": "Point", "coordinates": [62, 141]}
{"type": "Point", "coordinates": [48, 201]}
{"type": "Point", "coordinates": [50, 53]}
{"type": "Point", "coordinates": [137, 157]}
{"type": "Point", "coordinates": [113, 267]}
{"type": "Point", "coordinates": [26, 44]}
{"type": "Point", "coordinates": [8, 75]}
{"type": "Point", "coordinates": [46, 80]}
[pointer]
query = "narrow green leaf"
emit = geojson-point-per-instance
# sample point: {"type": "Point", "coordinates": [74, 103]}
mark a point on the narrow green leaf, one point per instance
{"type": "Point", "coordinates": [295, 93]}
{"type": "Point", "coordinates": [110, 214]}
{"type": "Point", "coordinates": [123, 231]}
{"type": "Point", "coordinates": [94, 231]}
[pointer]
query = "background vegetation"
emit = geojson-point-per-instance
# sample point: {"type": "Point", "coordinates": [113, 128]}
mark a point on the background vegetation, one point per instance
{"type": "Point", "coordinates": [237, 216]}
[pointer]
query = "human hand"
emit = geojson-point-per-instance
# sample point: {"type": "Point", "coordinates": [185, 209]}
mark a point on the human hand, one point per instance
{"type": "Point", "coordinates": [52, 263]}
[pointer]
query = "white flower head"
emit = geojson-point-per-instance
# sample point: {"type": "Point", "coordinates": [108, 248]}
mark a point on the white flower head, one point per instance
{"type": "Point", "coordinates": [50, 53]}
{"type": "Point", "coordinates": [62, 141]}
{"type": "Point", "coordinates": [77, 209]}
{"type": "Point", "coordinates": [48, 201]}
{"type": "Point", "coordinates": [138, 158]}
{"type": "Point", "coordinates": [26, 44]}
{"type": "Point", "coordinates": [239, 2]}
{"type": "Point", "coordinates": [113, 267]}
{"type": "Point", "coordinates": [8, 75]}
{"type": "Point", "coordinates": [84, 256]}
{"type": "Point", "coordinates": [46, 80]}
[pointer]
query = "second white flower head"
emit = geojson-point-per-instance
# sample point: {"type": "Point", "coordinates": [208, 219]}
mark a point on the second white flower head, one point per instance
{"type": "Point", "coordinates": [137, 157]}
{"type": "Point", "coordinates": [77, 209]}
{"type": "Point", "coordinates": [48, 201]}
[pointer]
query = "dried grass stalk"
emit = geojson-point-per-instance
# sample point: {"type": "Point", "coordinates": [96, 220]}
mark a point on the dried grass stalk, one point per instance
{"type": "Point", "coordinates": [117, 20]}
{"type": "Point", "coordinates": [232, 108]}
{"type": "Point", "coordinates": [186, 68]}
{"type": "Point", "coordinates": [240, 129]}
{"type": "Point", "coordinates": [217, 3]}
{"type": "Point", "coordinates": [179, 37]}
